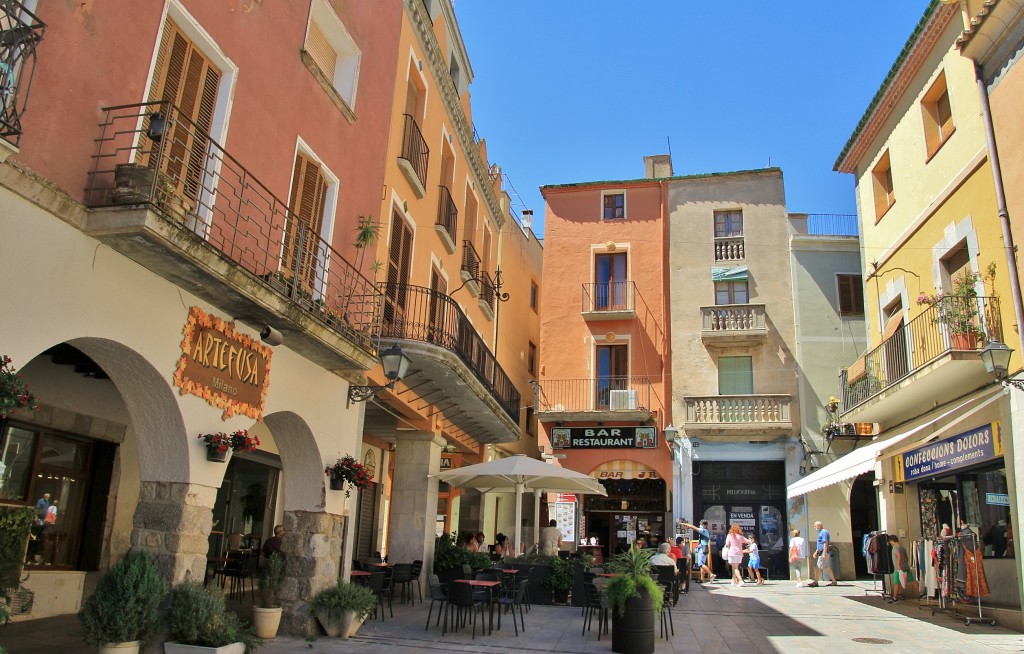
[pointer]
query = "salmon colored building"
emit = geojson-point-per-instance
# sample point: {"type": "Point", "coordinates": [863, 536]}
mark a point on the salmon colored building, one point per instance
{"type": "Point", "coordinates": [603, 388]}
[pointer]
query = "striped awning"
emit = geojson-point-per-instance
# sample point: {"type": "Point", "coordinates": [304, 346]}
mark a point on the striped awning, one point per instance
{"type": "Point", "coordinates": [621, 469]}
{"type": "Point", "coordinates": [736, 274]}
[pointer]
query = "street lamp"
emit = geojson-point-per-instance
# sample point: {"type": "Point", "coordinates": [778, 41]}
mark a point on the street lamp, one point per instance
{"type": "Point", "coordinates": [671, 435]}
{"type": "Point", "coordinates": [996, 357]}
{"type": "Point", "coordinates": [395, 365]}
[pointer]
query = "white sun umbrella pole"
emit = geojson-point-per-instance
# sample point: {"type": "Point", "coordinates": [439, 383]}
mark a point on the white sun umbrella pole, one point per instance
{"type": "Point", "coordinates": [536, 515]}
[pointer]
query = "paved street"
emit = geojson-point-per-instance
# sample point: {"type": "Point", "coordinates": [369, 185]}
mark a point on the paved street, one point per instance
{"type": "Point", "coordinates": [776, 617]}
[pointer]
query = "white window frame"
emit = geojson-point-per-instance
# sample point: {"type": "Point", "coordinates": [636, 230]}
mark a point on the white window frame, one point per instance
{"type": "Point", "coordinates": [625, 206]}
{"type": "Point", "coordinates": [345, 77]}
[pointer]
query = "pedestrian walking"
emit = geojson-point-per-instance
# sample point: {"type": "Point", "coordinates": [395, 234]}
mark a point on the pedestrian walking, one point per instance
{"type": "Point", "coordinates": [700, 557]}
{"type": "Point", "coordinates": [735, 542]}
{"type": "Point", "coordinates": [797, 555]}
{"type": "Point", "coordinates": [823, 556]}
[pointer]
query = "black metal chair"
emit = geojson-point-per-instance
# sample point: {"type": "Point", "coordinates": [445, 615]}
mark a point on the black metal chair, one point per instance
{"type": "Point", "coordinates": [462, 598]}
{"type": "Point", "coordinates": [387, 589]}
{"type": "Point", "coordinates": [667, 582]}
{"type": "Point", "coordinates": [417, 570]}
{"type": "Point", "coordinates": [402, 580]}
{"type": "Point", "coordinates": [375, 582]}
{"type": "Point", "coordinates": [239, 570]}
{"type": "Point", "coordinates": [594, 603]}
{"type": "Point", "coordinates": [510, 602]}
{"type": "Point", "coordinates": [438, 593]}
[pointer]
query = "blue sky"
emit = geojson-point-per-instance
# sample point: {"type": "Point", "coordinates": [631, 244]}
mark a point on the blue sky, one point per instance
{"type": "Point", "coordinates": [566, 91]}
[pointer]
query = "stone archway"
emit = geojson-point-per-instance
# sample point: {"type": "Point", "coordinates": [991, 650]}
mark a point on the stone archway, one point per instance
{"type": "Point", "coordinates": [314, 539]}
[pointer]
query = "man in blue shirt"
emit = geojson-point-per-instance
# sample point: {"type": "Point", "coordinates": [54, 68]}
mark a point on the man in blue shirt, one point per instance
{"type": "Point", "coordinates": [700, 559]}
{"type": "Point", "coordinates": [42, 506]}
{"type": "Point", "coordinates": [823, 556]}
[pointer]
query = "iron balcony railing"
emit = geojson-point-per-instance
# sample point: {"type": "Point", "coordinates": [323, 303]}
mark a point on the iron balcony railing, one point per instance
{"type": "Point", "coordinates": [487, 290]}
{"type": "Point", "coordinates": [729, 248]}
{"type": "Point", "coordinates": [151, 154]}
{"type": "Point", "coordinates": [470, 261]}
{"type": "Point", "coordinates": [414, 149]}
{"type": "Point", "coordinates": [430, 316]}
{"type": "Point", "coordinates": [612, 393]}
{"type": "Point", "coordinates": [447, 212]}
{"type": "Point", "coordinates": [738, 409]}
{"type": "Point", "coordinates": [954, 323]}
{"type": "Point", "coordinates": [20, 34]}
{"type": "Point", "coordinates": [609, 296]}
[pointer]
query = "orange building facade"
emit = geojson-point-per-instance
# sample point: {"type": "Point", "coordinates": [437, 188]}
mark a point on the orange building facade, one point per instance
{"type": "Point", "coordinates": [602, 391]}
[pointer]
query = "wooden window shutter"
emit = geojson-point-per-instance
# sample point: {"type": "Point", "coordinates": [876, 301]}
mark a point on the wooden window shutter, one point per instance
{"type": "Point", "coordinates": [320, 50]}
{"type": "Point", "coordinates": [399, 263]}
{"type": "Point", "coordinates": [306, 206]}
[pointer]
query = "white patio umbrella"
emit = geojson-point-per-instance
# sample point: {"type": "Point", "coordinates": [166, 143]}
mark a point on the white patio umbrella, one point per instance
{"type": "Point", "coordinates": [518, 474]}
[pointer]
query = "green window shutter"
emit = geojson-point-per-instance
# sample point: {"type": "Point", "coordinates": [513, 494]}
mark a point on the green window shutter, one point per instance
{"type": "Point", "coordinates": [735, 376]}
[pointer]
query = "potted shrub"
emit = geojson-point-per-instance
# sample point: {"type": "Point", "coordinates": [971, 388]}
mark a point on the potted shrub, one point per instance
{"type": "Point", "coordinates": [124, 609]}
{"type": "Point", "coordinates": [266, 616]}
{"type": "Point", "coordinates": [346, 473]}
{"type": "Point", "coordinates": [559, 580]}
{"type": "Point", "coordinates": [958, 310]}
{"type": "Point", "coordinates": [199, 623]}
{"type": "Point", "coordinates": [219, 444]}
{"type": "Point", "coordinates": [450, 556]}
{"type": "Point", "coordinates": [14, 394]}
{"type": "Point", "coordinates": [341, 608]}
{"type": "Point", "coordinates": [634, 598]}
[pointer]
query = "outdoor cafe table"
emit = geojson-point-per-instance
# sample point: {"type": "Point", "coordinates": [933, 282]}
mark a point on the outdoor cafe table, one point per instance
{"type": "Point", "coordinates": [483, 584]}
{"type": "Point", "coordinates": [360, 576]}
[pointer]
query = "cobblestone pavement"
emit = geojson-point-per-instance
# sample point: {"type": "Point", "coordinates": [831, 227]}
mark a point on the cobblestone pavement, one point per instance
{"type": "Point", "coordinates": [776, 617]}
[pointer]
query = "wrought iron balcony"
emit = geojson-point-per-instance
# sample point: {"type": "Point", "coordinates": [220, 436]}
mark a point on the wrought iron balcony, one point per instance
{"type": "Point", "coordinates": [20, 34]}
{"type": "Point", "coordinates": [609, 300]}
{"type": "Point", "coordinates": [415, 155]}
{"type": "Point", "coordinates": [488, 293]}
{"type": "Point", "coordinates": [470, 268]}
{"type": "Point", "coordinates": [934, 351]}
{"type": "Point", "coordinates": [447, 218]}
{"type": "Point", "coordinates": [168, 196]}
{"type": "Point", "coordinates": [733, 324]}
{"type": "Point", "coordinates": [738, 415]}
{"type": "Point", "coordinates": [600, 398]}
{"type": "Point", "coordinates": [430, 327]}
{"type": "Point", "coordinates": [729, 248]}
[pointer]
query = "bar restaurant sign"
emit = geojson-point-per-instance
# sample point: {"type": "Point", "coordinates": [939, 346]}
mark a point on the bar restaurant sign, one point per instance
{"type": "Point", "coordinates": [580, 438]}
{"type": "Point", "coordinates": [967, 449]}
{"type": "Point", "coordinates": [229, 370]}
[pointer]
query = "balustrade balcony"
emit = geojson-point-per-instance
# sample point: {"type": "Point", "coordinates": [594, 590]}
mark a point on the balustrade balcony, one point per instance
{"type": "Point", "coordinates": [738, 415]}
{"type": "Point", "coordinates": [729, 248]}
{"type": "Point", "coordinates": [733, 324]}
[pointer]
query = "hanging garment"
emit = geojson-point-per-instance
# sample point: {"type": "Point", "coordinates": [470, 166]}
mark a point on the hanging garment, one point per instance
{"type": "Point", "coordinates": [977, 585]}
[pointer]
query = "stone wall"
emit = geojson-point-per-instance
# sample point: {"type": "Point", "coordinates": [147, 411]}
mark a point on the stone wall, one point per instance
{"type": "Point", "coordinates": [313, 544]}
{"type": "Point", "coordinates": [173, 522]}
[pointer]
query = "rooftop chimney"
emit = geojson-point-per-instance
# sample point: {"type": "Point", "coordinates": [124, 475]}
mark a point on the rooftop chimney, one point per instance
{"type": "Point", "coordinates": [658, 165]}
{"type": "Point", "coordinates": [527, 219]}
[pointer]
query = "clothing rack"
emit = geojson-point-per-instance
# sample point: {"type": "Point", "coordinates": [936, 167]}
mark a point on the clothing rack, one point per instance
{"type": "Point", "coordinates": [958, 557]}
{"type": "Point", "coordinates": [878, 553]}
{"type": "Point", "coordinates": [920, 563]}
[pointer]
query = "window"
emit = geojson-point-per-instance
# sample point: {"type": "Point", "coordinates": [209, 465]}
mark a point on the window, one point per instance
{"type": "Point", "coordinates": [731, 293]}
{"type": "Point", "coordinates": [308, 200]}
{"type": "Point", "coordinates": [531, 359]}
{"type": "Point", "coordinates": [399, 266]}
{"type": "Point", "coordinates": [937, 115]}
{"type": "Point", "coordinates": [186, 78]}
{"type": "Point", "coordinates": [851, 295]}
{"type": "Point", "coordinates": [612, 372]}
{"type": "Point", "coordinates": [728, 224]}
{"type": "Point", "coordinates": [957, 263]}
{"type": "Point", "coordinates": [531, 421]}
{"type": "Point", "coordinates": [735, 376]}
{"type": "Point", "coordinates": [334, 56]}
{"type": "Point", "coordinates": [614, 205]}
{"type": "Point", "coordinates": [534, 295]}
{"type": "Point", "coordinates": [610, 281]}
{"type": "Point", "coordinates": [881, 184]}
{"type": "Point", "coordinates": [455, 73]}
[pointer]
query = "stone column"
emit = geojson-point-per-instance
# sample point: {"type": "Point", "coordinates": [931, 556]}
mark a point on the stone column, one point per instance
{"type": "Point", "coordinates": [414, 498]}
{"type": "Point", "coordinates": [471, 511]}
{"type": "Point", "coordinates": [313, 547]}
{"type": "Point", "coordinates": [173, 522]}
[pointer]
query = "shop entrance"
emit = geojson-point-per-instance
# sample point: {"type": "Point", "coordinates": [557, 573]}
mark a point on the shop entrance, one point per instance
{"type": "Point", "coordinates": [633, 510]}
{"type": "Point", "coordinates": [243, 513]}
{"type": "Point", "coordinates": [863, 517]}
{"type": "Point", "coordinates": [764, 521]}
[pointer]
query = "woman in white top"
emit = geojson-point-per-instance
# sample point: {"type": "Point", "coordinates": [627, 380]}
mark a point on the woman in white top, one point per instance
{"type": "Point", "coordinates": [735, 542]}
{"type": "Point", "coordinates": [797, 554]}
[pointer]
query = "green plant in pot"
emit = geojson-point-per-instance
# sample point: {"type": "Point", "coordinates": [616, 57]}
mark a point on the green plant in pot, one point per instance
{"type": "Point", "coordinates": [559, 579]}
{"type": "Point", "coordinates": [958, 310]}
{"type": "Point", "coordinates": [266, 616]}
{"type": "Point", "coordinates": [341, 608]}
{"type": "Point", "coordinates": [123, 611]}
{"type": "Point", "coordinates": [449, 557]}
{"type": "Point", "coordinates": [635, 598]}
{"type": "Point", "coordinates": [198, 619]}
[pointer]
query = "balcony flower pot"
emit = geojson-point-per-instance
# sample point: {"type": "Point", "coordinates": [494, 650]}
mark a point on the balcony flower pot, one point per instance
{"type": "Point", "coordinates": [964, 341]}
{"type": "Point", "coordinates": [337, 483]}
{"type": "Point", "coordinates": [133, 183]}
{"type": "Point", "coordinates": [217, 456]}
{"type": "Point", "coordinates": [346, 474]}
{"type": "Point", "coordinates": [958, 310]}
{"type": "Point", "coordinates": [219, 445]}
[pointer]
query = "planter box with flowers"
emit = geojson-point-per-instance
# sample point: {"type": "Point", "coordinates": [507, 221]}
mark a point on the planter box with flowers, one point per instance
{"type": "Point", "coordinates": [219, 444]}
{"type": "Point", "coordinates": [958, 310]}
{"type": "Point", "coordinates": [346, 473]}
{"type": "Point", "coordinates": [14, 394]}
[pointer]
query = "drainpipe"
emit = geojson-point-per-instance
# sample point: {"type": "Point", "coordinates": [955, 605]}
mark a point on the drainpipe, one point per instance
{"type": "Point", "coordinates": [1004, 215]}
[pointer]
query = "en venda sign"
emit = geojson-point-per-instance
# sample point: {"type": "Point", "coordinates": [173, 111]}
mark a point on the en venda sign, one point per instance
{"type": "Point", "coordinates": [966, 449]}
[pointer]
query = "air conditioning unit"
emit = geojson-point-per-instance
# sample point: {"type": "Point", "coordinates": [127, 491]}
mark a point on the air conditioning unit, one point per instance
{"type": "Point", "coordinates": [622, 400]}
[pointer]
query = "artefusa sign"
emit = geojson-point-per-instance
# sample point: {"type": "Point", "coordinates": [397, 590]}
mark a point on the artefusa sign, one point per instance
{"type": "Point", "coordinates": [966, 449]}
{"type": "Point", "coordinates": [227, 369]}
{"type": "Point", "coordinates": [604, 437]}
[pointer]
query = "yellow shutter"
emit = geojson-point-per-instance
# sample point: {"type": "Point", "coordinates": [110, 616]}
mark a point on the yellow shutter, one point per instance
{"type": "Point", "coordinates": [320, 50]}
